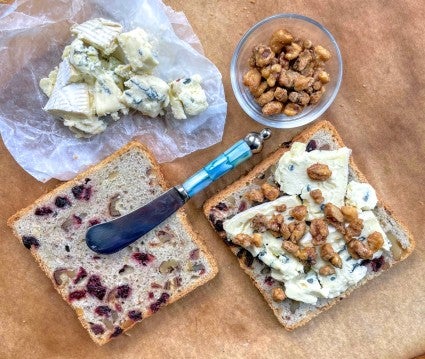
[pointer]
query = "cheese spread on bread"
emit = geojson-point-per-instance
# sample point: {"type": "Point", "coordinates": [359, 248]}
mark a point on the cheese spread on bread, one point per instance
{"type": "Point", "coordinates": [303, 281]}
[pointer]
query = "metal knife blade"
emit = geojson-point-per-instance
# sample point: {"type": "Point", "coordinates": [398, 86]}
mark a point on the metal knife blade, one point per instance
{"type": "Point", "coordinates": [112, 236]}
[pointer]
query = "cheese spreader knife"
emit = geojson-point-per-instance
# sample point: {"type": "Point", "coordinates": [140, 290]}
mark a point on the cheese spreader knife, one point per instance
{"type": "Point", "coordinates": [112, 236]}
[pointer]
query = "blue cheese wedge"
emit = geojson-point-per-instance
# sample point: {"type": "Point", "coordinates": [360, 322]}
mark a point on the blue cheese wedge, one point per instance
{"type": "Point", "coordinates": [99, 33]}
{"type": "Point", "coordinates": [146, 93]}
{"type": "Point", "coordinates": [85, 59]}
{"type": "Point", "coordinates": [138, 50]}
{"type": "Point", "coordinates": [187, 97]}
{"type": "Point", "coordinates": [107, 96]}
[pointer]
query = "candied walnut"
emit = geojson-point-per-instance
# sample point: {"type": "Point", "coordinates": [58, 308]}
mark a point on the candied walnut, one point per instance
{"type": "Point", "coordinates": [297, 230]}
{"type": "Point", "coordinates": [317, 196]}
{"type": "Point", "coordinates": [292, 51]}
{"type": "Point", "coordinates": [359, 249]}
{"type": "Point", "coordinates": [270, 191]}
{"type": "Point", "coordinates": [276, 68]}
{"type": "Point", "coordinates": [290, 247]}
{"type": "Point", "coordinates": [317, 85]}
{"type": "Point", "coordinates": [323, 77]}
{"type": "Point", "coordinates": [257, 92]}
{"type": "Point", "coordinates": [327, 270]}
{"type": "Point", "coordinates": [303, 60]}
{"type": "Point", "coordinates": [292, 109]}
{"type": "Point", "coordinates": [307, 44]}
{"type": "Point", "coordinates": [278, 295]}
{"type": "Point", "coordinates": [319, 172]}
{"type": "Point", "coordinates": [336, 261]}
{"type": "Point", "coordinates": [279, 39]}
{"type": "Point", "coordinates": [259, 223]}
{"type": "Point", "coordinates": [281, 94]}
{"type": "Point", "coordinates": [266, 71]}
{"type": "Point", "coordinates": [255, 195]}
{"type": "Point", "coordinates": [353, 230]}
{"type": "Point", "coordinates": [350, 213]}
{"type": "Point", "coordinates": [263, 55]}
{"type": "Point", "coordinates": [375, 241]}
{"type": "Point", "coordinates": [265, 98]}
{"type": "Point", "coordinates": [316, 96]}
{"type": "Point", "coordinates": [252, 78]}
{"type": "Point", "coordinates": [322, 53]}
{"type": "Point", "coordinates": [319, 231]}
{"type": "Point", "coordinates": [271, 80]}
{"type": "Point", "coordinates": [257, 240]}
{"type": "Point", "coordinates": [307, 254]}
{"type": "Point", "coordinates": [299, 212]}
{"type": "Point", "coordinates": [302, 82]}
{"type": "Point", "coordinates": [284, 231]}
{"type": "Point", "coordinates": [242, 239]}
{"type": "Point", "coordinates": [294, 96]}
{"type": "Point", "coordinates": [327, 252]}
{"type": "Point", "coordinates": [281, 208]}
{"type": "Point", "coordinates": [275, 223]}
{"type": "Point", "coordinates": [283, 62]}
{"type": "Point", "coordinates": [303, 99]}
{"type": "Point", "coordinates": [272, 108]}
{"type": "Point", "coordinates": [287, 78]}
{"type": "Point", "coordinates": [333, 213]}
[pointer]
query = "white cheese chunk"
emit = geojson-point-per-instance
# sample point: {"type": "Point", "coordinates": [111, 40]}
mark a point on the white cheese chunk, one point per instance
{"type": "Point", "coordinates": [48, 83]}
{"type": "Point", "coordinates": [291, 173]}
{"type": "Point", "coordinates": [100, 33]}
{"type": "Point", "coordinates": [72, 99]}
{"type": "Point", "coordinates": [138, 50]}
{"type": "Point", "coordinates": [361, 195]}
{"type": "Point", "coordinates": [146, 93]}
{"type": "Point", "coordinates": [84, 127]}
{"type": "Point", "coordinates": [107, 96]}
{"type": "Point", "coordinates": [187, 97]}
{"type": "Point", "coordinates": [124, 71]}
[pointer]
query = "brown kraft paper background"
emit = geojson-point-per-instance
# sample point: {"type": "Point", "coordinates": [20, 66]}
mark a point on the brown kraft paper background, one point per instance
{"type": "Point", "coordinates": [379, 112]}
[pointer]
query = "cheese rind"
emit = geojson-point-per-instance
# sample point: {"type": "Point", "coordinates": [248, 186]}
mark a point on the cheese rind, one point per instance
{"type": "Point", "coordinates": [100, 33]}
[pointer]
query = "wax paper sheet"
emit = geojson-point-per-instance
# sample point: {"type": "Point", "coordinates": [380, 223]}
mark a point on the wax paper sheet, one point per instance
{"type": "Point", "coordinates": [32, 39]}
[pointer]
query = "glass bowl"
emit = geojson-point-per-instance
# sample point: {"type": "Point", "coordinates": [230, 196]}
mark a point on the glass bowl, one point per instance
{"type": "Point", "coordinates": [302, 27]}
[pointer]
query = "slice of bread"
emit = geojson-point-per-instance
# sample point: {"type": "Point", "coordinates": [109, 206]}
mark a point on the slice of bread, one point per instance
{"type": "Point", "coordinates": [110, 293]}
{"type": "Point", "coordinates": [232, 200]}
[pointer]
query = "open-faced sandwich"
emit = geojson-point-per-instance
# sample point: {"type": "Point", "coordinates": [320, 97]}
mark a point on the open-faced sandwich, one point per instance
{"type": "Point", "coordinates": [307, 227]}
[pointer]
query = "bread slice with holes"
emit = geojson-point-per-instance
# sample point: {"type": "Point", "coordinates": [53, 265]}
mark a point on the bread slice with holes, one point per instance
{"type": "Point", "coordinates": [110, 293]}
{"type": "Point", "coordinates": [238, 202]}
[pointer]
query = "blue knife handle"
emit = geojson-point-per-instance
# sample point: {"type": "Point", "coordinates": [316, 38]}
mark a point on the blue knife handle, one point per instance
{"type": "Point", "coordinates": [225, 162]}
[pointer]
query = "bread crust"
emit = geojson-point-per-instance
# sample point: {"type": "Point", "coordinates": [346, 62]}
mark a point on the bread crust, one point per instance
{"type": "Point", "coordinates": [180, 213]}
{"type": "Point", "coordinates": [272, 159]}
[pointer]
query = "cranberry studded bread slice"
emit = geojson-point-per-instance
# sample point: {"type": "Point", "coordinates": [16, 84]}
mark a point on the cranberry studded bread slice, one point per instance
{"type": "Point", "coordinates": [307, 227]}
{"type": "Point", "coordinates": [110, 293]}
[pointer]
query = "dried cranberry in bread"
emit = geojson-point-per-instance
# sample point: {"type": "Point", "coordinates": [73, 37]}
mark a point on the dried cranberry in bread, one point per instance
{"type": "Point", "coordinates": [110, 293]}
{"type": "Point", "coordinates": [239, 200]}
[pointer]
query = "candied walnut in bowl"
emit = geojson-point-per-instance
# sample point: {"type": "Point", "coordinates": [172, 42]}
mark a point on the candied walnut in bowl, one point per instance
{"type": "Point", "coordinates": [286, 71]}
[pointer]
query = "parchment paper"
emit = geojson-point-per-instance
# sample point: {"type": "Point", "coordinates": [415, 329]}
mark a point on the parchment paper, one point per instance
{"type": "Point", "coordinates": [32, 40]}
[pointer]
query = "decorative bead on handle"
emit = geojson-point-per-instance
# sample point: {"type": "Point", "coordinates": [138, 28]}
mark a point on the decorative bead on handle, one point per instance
{"type": "Point", "coordinates": [239, 152]}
